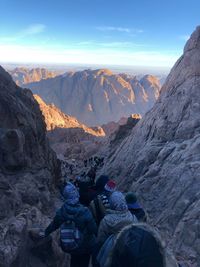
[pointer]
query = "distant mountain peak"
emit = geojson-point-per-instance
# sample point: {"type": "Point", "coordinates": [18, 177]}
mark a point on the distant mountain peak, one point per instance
{"type": "Point", "coordinates": [23, 76]}
{"type": "Point", "coordinates": [103, 72]}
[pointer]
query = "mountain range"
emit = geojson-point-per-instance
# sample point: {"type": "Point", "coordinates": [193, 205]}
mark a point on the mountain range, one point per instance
{"type": "Point", "coordinates": [96, 97]}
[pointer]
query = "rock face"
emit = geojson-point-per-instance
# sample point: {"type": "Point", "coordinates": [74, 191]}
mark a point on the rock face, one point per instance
{"type": "Point", "coordinates": [28, 173]}
{"type": "Point", "coordinates": [22, 76]}
{"type": "Point", "coordinates": [160, 159]}
{"type": "Point", "coordinates": [67, 135]}
{"type": "Point", "coordinates": [96, 97]}
{"type": "Point", "coordinates": [124, 130]}
{"type": "Point", "coordinates": [112, 126]}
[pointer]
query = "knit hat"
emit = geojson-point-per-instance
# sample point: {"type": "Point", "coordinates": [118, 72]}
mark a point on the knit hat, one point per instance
{"type": "Point", "coordinates": [110, 186]}
{"type": "Point", "coordinates": [118, 202]}
{"type": "Point", "coordinates": [71, 194]}
{"type": "Point", "coordinates": [100, 183]}
{"type": "Point", "coordinates": [131, 200]}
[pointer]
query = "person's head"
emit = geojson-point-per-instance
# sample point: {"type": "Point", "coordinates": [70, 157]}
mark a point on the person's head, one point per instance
{"type": "Point", "coordinates": [100, 183]}
{"type": "Point", "coordinates": [131, 200]}
{"type": "Point", "coordinates": [110, 186]}
{"type": "Point", "coordinates": [118, 202]}
{"type": "Point", "coordinates": [71, 194]}
{"type": "Point", "coordinates": [138, 245]}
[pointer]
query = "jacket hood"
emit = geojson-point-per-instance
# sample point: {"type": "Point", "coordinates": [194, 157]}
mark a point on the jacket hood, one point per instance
{"type": "Point", "coordinates": [71, 194]}
{"type": "Point", "coordinates": [113, 218]}
{"type": "Point", "coordinates": [168, 258]}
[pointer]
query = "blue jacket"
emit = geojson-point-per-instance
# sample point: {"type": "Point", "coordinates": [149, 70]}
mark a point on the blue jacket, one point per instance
{"type": "Point", "coordinates": [83, 220]}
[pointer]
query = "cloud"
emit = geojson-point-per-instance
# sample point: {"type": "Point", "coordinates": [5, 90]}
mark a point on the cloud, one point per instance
{"type": "Point", "coordinates": [184, 37]}
{"type": "Point", "coordinates": [112, 44]}
{"type": "Point", "coordinates": [116, 44]}
{"type": "Point", "coordinates": [32, 30]}
{"type": "Point", "coordinates": [29, 31]}
{"type": "Point", "coordinates": [118, 29]}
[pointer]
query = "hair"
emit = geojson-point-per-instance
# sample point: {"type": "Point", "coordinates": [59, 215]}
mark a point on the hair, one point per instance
{"type": "Point", "coordinates": [141, 231]}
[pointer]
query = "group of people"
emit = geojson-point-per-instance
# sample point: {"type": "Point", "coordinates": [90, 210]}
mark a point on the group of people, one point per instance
{"type": "Point", "coordinates": [98, 161]}
{"type": "Point", "coordinates": [67, 167]}
{"type": "Point", "coordinates": [100, 223]}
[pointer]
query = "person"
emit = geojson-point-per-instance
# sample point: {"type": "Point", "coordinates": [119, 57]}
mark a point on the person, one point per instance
{"type": "Point", "coordinates": [71, 168]}
{"type": "Point", "coordinates": [101, 202]}
{"type": "Point", "coordinates": [92, 173]}
{"type": "Point", "coordinates": [81, 216]}
{"type": "Point", "coordinates": [139, 245]}
{"type": "Point", "coordinates": [87, 190]}
{"type": "Point", "coordinates": [117, 217]}
{"type": "Point", "coordinates": [100, 183]}
{"type": "Point", "coordinates": [85, 163]}
{"type": "Point", "coordinates": [135, 208]}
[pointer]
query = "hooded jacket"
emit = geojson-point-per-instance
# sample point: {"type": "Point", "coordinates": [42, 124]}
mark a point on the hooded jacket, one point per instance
{"type": "Point", "coordinates": [139, 245]}
{"type": "Point", "coordinates": [84, 222]}
{"type": "Point", "coordinates": [112, 223]}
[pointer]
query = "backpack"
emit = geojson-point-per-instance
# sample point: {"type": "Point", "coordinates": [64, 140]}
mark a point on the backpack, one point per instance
{"type": "Point", "coordinates": [71, 238]}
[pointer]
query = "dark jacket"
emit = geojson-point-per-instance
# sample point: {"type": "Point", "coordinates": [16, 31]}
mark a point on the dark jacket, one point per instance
{"type": "Point", "coordinates": [83, 220]}
{"type": "Point", "coordinates": [140, 246]}
{"type": "Point", "coordinates": [139, 213]}
{"type": "Point", "coordinates": [87, 192]}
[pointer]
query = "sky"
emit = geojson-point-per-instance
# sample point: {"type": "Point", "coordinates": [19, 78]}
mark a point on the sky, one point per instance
{"type": "Point", "coordinates": [101, 32]}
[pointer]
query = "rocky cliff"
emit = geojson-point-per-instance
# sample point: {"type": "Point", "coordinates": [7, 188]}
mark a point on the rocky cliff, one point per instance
{"type": "Point", "coordinates": [22, 76]}
{"type": "Point", "coordinates": [29, 172]}
{"type": "Point", "coordinates": [96, 97]}
{"type": "Point", "coordinates": [67, 136]}
{"type": "Point", "coordinates": [160, 159]}
{"type": "Point", "coordinates": [112, 126]}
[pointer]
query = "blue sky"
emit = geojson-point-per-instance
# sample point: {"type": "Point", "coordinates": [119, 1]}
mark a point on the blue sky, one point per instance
{"type": "Point", "coordinates": [139, 33]}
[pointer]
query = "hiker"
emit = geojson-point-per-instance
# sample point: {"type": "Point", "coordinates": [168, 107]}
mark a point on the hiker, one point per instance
{"type": "Point", "coordinates": [87, 190]}
{"type": "Point", "coordinates": [101, 203]}
{"type": "Point", "coordinates": [117, 217]}
{"type": "Point", "coordinates": [101, 162]}
{"type": "Point", "coordinates": [134, 207]}
{"type": "Point", "coordinates": [100, 183]}
{"type": "Point", "coordinates": [92, 173]}
{"type": "Point", "coordinates": [139, 245]}
{"type": "Point", "coordinates": [71, 168]}
{"type": "Point", "coordinates": [77, 228]}
{"type": "Point", "coordinates": [96, 160]}
{"type": "Point", "coordinates": [85, 163]}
